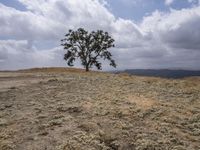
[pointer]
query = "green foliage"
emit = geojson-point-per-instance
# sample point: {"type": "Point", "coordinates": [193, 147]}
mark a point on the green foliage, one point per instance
{"type": "Point", "coordinates": [88, 47]}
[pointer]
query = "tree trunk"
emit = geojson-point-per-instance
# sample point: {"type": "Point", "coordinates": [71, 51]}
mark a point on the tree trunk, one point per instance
{"type": "Point", "coordinates": [87, 68]}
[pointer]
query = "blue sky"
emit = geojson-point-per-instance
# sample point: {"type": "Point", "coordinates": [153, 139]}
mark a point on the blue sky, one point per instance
{"type": "Point", "coordinates": [137, 9]}
{"type": "Point", "coordinates": [147, 33]}
{"type": "Point", "coordinates": [14, 4]}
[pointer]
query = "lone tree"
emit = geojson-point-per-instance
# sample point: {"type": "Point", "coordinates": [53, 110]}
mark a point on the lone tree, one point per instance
{"type": "Point", "coordinates": [88, 47]}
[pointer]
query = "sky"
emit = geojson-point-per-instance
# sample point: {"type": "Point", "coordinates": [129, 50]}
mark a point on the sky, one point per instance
{"type": "Point", "coordinates": [149, 34]}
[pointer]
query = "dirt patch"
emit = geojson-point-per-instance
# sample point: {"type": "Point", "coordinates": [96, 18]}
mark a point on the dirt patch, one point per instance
{"type": "Point", "coordinates": [142, 102]}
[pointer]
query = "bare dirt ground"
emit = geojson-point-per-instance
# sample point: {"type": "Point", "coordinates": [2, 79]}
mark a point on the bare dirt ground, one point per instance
{"type": "Point", "coordinates": [58, 109]}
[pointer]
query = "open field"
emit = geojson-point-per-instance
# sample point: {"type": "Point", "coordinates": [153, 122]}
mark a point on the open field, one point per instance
{"type": "Point", "coordinates": [68, 109]}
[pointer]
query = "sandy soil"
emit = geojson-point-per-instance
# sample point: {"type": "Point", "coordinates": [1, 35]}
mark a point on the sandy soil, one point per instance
{"type": "Point", "coordinates": [73, 110]}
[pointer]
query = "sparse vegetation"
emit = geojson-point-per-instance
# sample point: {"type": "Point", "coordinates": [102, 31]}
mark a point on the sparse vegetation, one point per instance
{"type": "Point", "coordinates": [63, 110]}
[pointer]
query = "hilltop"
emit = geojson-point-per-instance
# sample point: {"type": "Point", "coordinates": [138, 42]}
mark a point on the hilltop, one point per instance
{"type": "Point", "coordinates": [67, 109]}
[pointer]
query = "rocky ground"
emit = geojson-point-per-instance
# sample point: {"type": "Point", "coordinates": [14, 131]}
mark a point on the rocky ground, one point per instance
{"type": "Point", "coordinates": [72, 110]}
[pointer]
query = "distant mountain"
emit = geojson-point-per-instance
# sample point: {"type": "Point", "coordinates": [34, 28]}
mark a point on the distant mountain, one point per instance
{"type": "Point", "coordinates": [165, 73]}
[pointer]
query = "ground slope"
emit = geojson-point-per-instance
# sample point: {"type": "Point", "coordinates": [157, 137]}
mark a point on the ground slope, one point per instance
{"type": "Point", "coordinates": [61, 110]}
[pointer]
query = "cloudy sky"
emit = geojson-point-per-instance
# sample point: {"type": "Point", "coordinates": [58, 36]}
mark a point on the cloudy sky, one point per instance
{"type": "Point", "coordinates": [148, 33]}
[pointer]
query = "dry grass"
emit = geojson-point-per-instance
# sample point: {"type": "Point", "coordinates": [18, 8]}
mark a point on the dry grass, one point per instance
{"type": "Point", "coordinates": [63, 109]}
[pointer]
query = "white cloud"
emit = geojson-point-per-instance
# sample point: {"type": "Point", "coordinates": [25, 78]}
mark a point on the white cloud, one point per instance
{"type": "Point", "coordinates": [166, 40]}
{"type": "Point", "coordinates": [161, 40]}
{"type": "Point", "coordinates": [27, 25]}
{"type": "Point", "coordinates": [89, 13]}
{"type": "Point", "coordinates": [169, 2]}
{"type": "Point", "coordinates": [178, 29]}
{"type": "Point", "coordinates": [18, 54]}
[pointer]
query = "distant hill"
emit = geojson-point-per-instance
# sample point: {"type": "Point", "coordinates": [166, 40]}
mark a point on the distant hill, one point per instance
{"type": "Point", "coordinates": [164, 73]}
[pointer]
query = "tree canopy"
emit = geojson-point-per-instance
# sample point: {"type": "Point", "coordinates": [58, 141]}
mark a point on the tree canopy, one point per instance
{"type": "Point", "coordinates": [89, 47]}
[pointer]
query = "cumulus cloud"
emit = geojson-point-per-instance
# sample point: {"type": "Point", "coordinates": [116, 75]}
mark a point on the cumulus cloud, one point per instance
{"type": "Point", "coordinates": [44, 22]}
{"type": "Point", "coordinates": [17, 54]}
{"type": "Point", "coordinates": [161, 40]}
{"type": "Point", "coordinates": [178, 29]}
{"type": "Point", "coordinates": [166, 40]}
{"type": "Point", "coordinates": [16, 24]}
{"type": "Point", "coordinates": [13, 53]}
{"type": "Point", "coordinates": [90, 13]}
